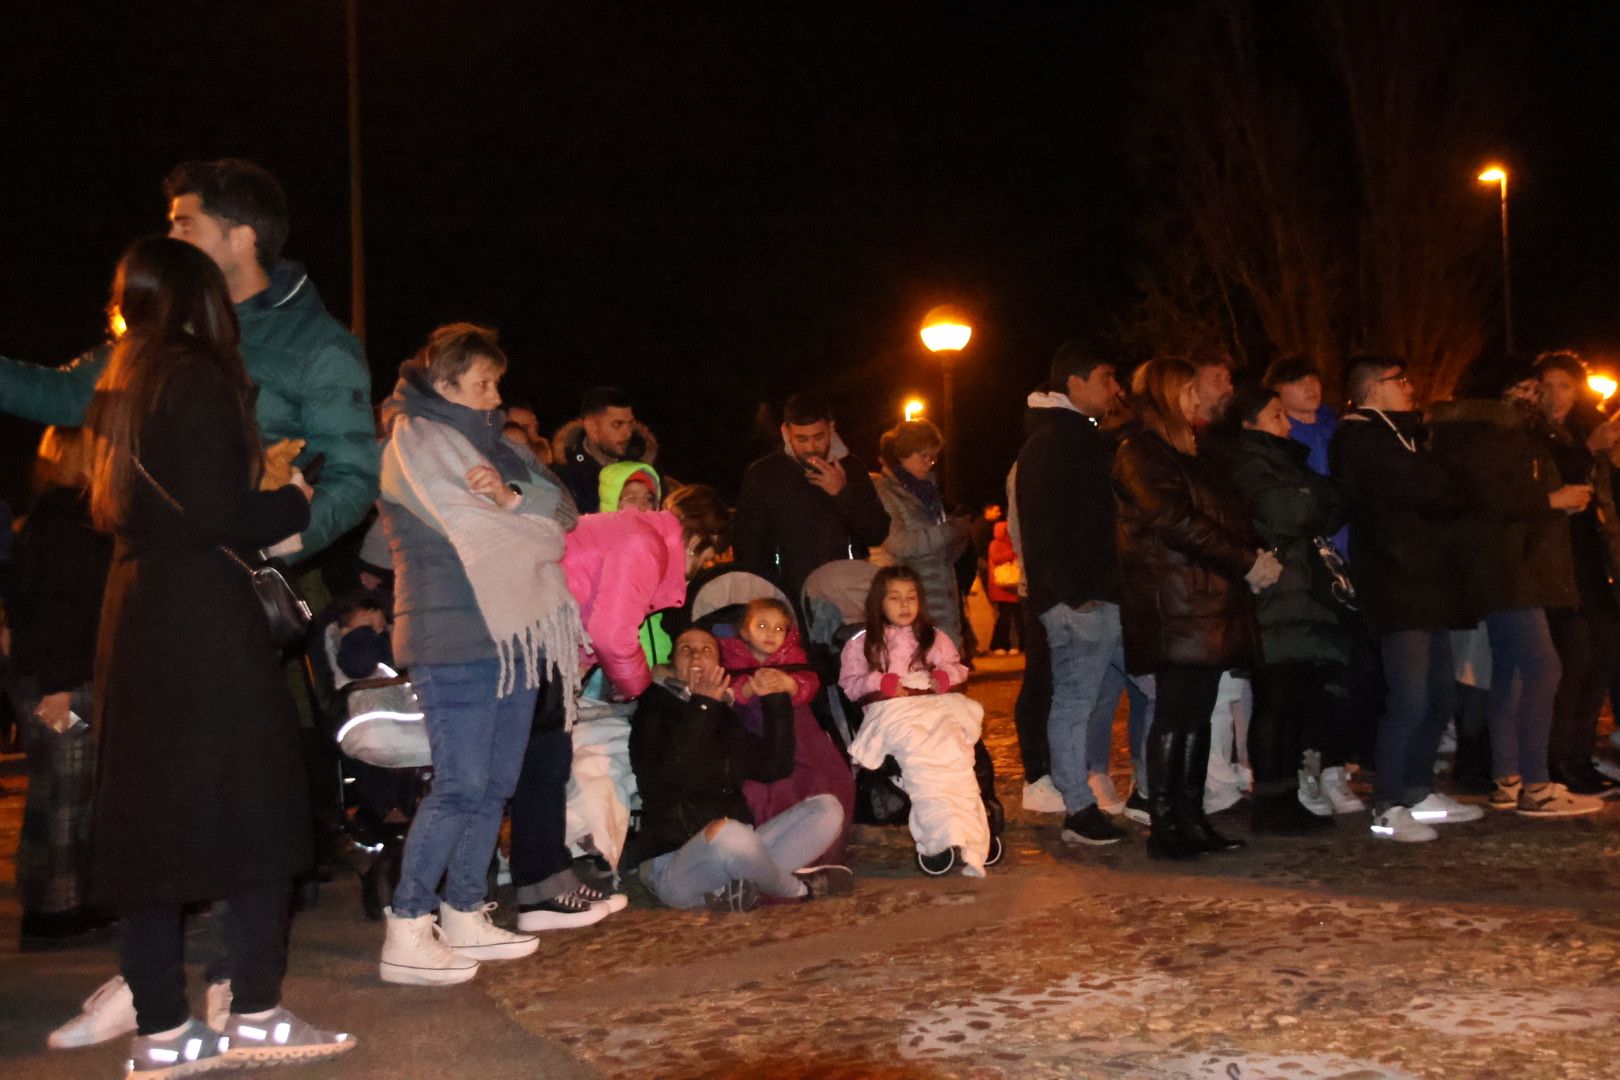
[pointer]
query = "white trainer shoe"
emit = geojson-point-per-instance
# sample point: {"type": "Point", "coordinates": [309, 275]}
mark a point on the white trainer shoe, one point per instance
{"type": "Point", "coordinates": [1311, 795]}
{"type": "Point", "coordinates": [1438, 809]}
{"type": "Point", "coordinates": [1336, 787]}
{"type": "Point", "coordinates": [1043, 797]}
{"type": "Point", "coordinates": [414, 954]}
{"type": "Point", "coordinates": [106, 1014]}
{"type": "Point", "coordinates": [474, 934]}
{"type": "Point", "coordinates": [1397, 824]}
{"type": "Point", "coordinates": [1102, 787]}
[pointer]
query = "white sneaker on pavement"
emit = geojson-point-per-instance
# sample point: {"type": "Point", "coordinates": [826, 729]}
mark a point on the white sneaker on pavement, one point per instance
{"type": "Point", "coordinates": [1438, 809]}
{"type": "Point", "coordinates": [1397, 824]}
{"type": "Point", "coordinates": [474, 934]}
{"type": "Point", "coordinates": [106, 1014]}
{"type": "Point", "coordinates": [1311, 795]}
{"type": "Point", "coordinates": [1043, 797]}
{"type": "Point", "coordinates": [1336, 787]}
{"type": "Point", "coordinates": [1108, 799]}
{"type": "Point", "coordinates": [280, 1038]}
{"type": "Point", "coordinates": [414, 954]}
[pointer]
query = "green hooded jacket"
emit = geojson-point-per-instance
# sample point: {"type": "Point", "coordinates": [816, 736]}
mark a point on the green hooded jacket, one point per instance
{"type": "Point", "coordinates": [313, 385]}
{"type": "Point", "coordinates": [612, 478]}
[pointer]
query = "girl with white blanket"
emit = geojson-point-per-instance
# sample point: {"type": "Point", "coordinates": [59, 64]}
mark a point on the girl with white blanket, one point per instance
{"type": "Point", "coordinates": [906, 673]}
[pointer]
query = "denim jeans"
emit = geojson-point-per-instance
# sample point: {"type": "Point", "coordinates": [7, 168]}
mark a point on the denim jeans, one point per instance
{"type": "Point", "coordinates": [767, 856]}
{"type": "Point", "coordinates": [1420, 700]}
{"type": "Point", "coordinates": [1100, 733]}
{"type": "Point", "coordinates": [1084, 643]}
{"type": "Point", "coordinates": [478, 741]}
{"type": "Point", "coordinates": [542, 865]}
{"type": "Point", "coordinates": [1524, 684]}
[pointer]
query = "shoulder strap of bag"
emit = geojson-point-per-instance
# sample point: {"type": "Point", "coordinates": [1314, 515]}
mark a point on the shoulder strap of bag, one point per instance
{"type": "Point", "coordinates": [172, 501]}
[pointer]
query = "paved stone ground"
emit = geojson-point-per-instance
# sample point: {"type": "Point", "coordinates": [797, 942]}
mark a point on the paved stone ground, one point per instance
{"type": "Point", "coordinates": [1494, 952]}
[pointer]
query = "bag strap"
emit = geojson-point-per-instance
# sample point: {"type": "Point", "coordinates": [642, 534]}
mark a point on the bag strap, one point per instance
{"type": "Point", "coordinates": [172, 501]}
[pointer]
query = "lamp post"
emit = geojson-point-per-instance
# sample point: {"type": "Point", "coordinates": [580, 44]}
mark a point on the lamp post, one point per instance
{"type": "Point", "coordinates": [945, 331]}
{"type": "Point", "coordinates": [1496, 174]}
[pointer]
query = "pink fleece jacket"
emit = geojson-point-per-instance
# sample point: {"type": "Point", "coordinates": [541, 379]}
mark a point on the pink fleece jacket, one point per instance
{"type": "Point", "coordinates": [621, 567]}
{"type": "Point", "coordinates": [859, 679]}
{"type": "Point", "coordinates": [741, 663]}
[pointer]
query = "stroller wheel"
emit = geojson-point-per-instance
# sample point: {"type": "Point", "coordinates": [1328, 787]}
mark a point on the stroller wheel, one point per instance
{"type": "Point", "coordinates": [937, 864]}
{"type": "Point", "coordinates": [996, 851]}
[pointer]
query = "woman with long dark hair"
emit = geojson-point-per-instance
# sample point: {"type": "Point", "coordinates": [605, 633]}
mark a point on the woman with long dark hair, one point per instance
{"type": "Point", "coordinates": [200, 790]}
{"type": "Point", "coordinates": [1188, 562]}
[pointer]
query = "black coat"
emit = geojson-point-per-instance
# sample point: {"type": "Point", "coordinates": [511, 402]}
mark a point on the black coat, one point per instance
{"type": "Point", "coordinates": [1290, 506]}
{"type": "Point", "coordinates": [1066, 510]}
{"type": "Point", "coordinates": [1594, 533]}
{"type": "Point", "coordinates": [1184, 548]}
{"type": "Point", "coordinates": [54, 584]}
{"type": "Point", "coordinates": [1518, 550]}
{"type": "Point", "coordinates": [785, 527]}
{"type": "Point", "coordinates": [200, 787]}
{"type": "Point", "coordinates": [1405, 509]}
{"type": "Point", "coordinates": [691, 756]}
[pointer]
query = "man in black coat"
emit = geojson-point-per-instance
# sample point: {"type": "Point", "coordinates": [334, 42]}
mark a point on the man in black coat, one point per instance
{"type": "Point", "coordinates": [1066, 525]}
{"type": "Point", "coordinates": [1404, 507]}
{"type": "Point", "coordinates": [808, 503]}
{"type": "Point", "coordinates": [605, 433]}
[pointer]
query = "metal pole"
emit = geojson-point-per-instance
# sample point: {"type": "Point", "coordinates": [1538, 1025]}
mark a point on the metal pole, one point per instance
{"type": "Point", "coordinates": [947, 424]}
{"type": "Point", "coordinates": [1507, 274]}
{"type": "Point", "coordinates": [357, 238]}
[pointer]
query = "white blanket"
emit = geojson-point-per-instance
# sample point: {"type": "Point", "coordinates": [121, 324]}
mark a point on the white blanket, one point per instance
{"type": "Point", "coordinates": [601, 786]}
{"type": "Point", "coordinates": [932, 738]}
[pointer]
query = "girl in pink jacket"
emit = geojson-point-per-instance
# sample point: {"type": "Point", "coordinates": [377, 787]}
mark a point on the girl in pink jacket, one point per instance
{"type": "Point", "coordinates": [622, 568]}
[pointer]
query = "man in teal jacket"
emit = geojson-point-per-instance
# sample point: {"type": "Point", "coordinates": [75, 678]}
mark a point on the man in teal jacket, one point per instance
{"type": "Point", "coordinates": [312, 379]}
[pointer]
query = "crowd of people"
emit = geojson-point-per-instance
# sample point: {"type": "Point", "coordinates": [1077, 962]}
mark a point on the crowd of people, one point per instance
{"type": "Point", "coordinates": [1278, 591]}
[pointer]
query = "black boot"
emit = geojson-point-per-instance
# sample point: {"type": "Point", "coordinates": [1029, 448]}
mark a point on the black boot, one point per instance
{"type": "Point", "coordinates": [1279, 813]}
{"type": "Point", "coordinates": [1194, 768]}
{"type": "Point", "coordinates": [1166, 838]}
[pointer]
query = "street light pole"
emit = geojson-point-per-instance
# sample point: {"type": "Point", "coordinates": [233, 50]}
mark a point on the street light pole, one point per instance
{"type": "Point", "coordinates": [1498, 175]}
{"type": "Point", "coordinates": [946, 332]}
{"type": "Point", "coordinates": [357, 237]}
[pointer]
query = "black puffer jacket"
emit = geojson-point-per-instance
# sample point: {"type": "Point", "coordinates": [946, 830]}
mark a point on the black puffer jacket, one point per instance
{"type": "Point", "coordinates": [691, 756]}
{"type": "Point", "coordinates": [1518, 553]}
{"type": "Point", "coordinates": [1184, 546]}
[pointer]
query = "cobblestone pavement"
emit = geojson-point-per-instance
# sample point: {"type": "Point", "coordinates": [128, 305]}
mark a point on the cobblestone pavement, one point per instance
{"type": "Point", "coordinates": [1493, 952]}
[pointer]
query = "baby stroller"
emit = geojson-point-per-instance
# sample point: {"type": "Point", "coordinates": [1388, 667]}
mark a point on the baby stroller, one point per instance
{"type": "Point", "coordinates": [833, 603]}
{"type": "Point", "coordinates": [386, 766]}
{"type": "Point", "coordinates": [717, 598]}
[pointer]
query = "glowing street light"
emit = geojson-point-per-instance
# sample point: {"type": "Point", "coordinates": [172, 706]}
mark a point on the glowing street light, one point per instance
{"type": "Point", "coordinates": [946, 336]}
{"type": "Point", "coordinates": [946, 331]}
{"type": "Point", "coordinates": [1603, 386]}
{"type": "Point", "coordinates": [1496, 174]}
{"type": "Point", "coordinates": [913, 408]}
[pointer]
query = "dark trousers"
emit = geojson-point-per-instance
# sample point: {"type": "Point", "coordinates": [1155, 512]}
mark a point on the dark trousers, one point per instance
{"type": "Point", "coordinates": [1034, 705]}
{"type": "Point", "coordinates": [1006, 634]}
{"type": "Point", "coordinates": [1587, 642]}
{"type": "Point", "coordinates": [1297, 707]}
{"type": "Point", "coordinates": [1420, 702]}
{"type": "Point", "coordinates": [542, 866]}
{"type": "Point", "coordinates": [152, 954]}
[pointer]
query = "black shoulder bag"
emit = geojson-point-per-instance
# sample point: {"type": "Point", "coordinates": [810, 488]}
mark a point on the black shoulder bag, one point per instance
{"type": "Point", "coordinates": [285, 611]}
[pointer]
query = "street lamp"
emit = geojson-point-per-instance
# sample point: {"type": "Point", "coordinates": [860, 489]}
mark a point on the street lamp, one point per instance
{"type": "Point", "coordinates": [912, 409]}
{"type": "Point", "coordinates": [945, 331]}
{"type": "Point", "coordinates": [1496, 174]}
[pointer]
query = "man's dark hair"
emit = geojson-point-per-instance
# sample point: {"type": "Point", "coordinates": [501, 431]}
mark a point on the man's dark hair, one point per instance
{"type": "Point", "coordinates": [1567, 362]}
{"type": "Point", "coordinates": [1072, 358]}
{"type": "Point", "coordinates": [805, 408]}
{"type": "Point", "coordinates": [452, 349]}
{"type": "Point", "coordinates": [1249, 400]}
{"type": "Point", "coordinates": [1493, 373]}
{"type": "Point", "coordinates": [599, 399]}
{"type": "Point", "coordinates": [1289, 369]}
{"type": "Point", "coordinates": [1363, 371]}
{"type": "Point", "coordinates": [240, 193]}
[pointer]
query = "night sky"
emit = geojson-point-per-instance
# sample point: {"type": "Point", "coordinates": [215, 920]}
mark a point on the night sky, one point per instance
{"type": "Point", "coordinates": [709, 205]}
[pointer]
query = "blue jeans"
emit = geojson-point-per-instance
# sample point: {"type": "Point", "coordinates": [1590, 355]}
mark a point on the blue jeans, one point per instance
{"type": "Point", "coordinates": [1418, 672]}
{"type": "Point", "coordinates": [1084, 644]}
{"type": "Point", "coordinates": [477, 741]}
{"type": "Point", "coordinates": [767, 856]}
{"type": "Point", "coordinates": [1099, 733]}
{"type": "Point", "coordinates": [1524, 684]}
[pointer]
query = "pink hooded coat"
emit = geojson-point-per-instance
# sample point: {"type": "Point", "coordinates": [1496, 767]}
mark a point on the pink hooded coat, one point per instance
{"type": "Point", "coordinates": [621, 567]}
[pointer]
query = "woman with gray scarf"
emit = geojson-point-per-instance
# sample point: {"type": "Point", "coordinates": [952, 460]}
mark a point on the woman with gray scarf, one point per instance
{"type": "Point", "coordinates": [921, 534]}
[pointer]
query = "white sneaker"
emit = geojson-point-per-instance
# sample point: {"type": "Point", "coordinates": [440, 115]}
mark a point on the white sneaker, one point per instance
{"type": "Point", "coordinates": [415, 954]}
{"type": "Point", "coordinates": [1606, 768]}
{"type": "Point", "coordinates": [1336, 787]}
{"type": "Point", "coordinates": [107, 1014]}
{"type": "Point", "coordinates": [1102, 787]}
{"type": "Point", "coordinates": [1555, 801]}
{"type": "Point", "coordinates": [474, 934]}
{"type": "Point", "coordinates": [1311, 795]}
{"type": "Point", "coordinates": [1397, 824]}
{"type": "Point", "coordinates": [1043, 797]}
{"type": "Point", "coordinates": [1438, 809]}
{"type": "Point", "coordinates": [218, 1004]}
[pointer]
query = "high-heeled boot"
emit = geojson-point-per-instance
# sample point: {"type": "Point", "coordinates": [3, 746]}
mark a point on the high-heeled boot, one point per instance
{"type": "Point", "coordinates": [1190, 795]}
{"type": "Point", "coordinates": [1166, 837]}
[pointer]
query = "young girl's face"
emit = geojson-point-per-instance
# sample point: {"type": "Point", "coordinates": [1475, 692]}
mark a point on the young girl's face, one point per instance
{"type": "Point", "coordinates": [637, 496]}
{"type": "Point", "coordinates": [764, 631]}
{"type": "Point", "coordinates": [901, 603]}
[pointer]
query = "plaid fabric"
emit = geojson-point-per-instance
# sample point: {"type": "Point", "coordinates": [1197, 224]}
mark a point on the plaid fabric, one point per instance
{"type": "Point", "coordinates": [54, 848]}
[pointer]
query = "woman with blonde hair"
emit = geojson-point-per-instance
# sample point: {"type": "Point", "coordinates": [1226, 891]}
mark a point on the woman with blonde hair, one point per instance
{"type": "Point", "coordinates": [1188, 563]}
